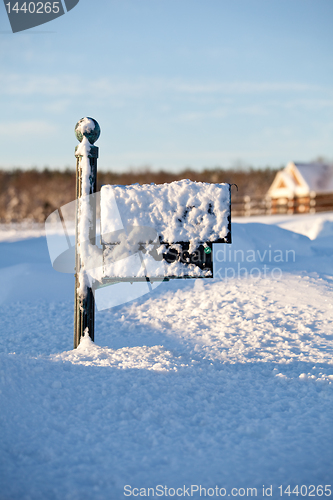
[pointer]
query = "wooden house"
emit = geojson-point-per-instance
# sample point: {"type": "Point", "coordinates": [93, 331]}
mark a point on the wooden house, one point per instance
{"type": "Point", "coordinates": [302, 187]}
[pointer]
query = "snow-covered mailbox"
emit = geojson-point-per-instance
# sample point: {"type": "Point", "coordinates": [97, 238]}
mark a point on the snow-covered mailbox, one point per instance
{"type": "Point", "coordinates": [163, 231]}
{"type": "Point", "coordinates": [148, 232]}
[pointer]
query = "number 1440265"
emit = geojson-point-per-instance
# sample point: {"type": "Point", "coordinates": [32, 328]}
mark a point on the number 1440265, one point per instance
{"type": "Point", "coordinates": [306, 491]}
{"type": "Point", "coordinates": [34, 7]}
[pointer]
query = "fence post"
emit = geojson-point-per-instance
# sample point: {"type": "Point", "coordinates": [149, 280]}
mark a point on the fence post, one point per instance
{"type": "Point", "coordinates": [87, 132]}
{"type": "Point", "coordinates": [312, 202]}
{"type": "Point", "coordinates": [247, 205]}
{"type": "Point", "coordinates": [268, 205]}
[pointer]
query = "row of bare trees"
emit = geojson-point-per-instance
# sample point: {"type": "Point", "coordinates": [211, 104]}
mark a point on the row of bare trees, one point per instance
{"type": "Point", "coordinates": [33, 194]}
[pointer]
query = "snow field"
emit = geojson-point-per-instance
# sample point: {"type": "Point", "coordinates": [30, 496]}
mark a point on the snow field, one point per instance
{"type": "Point", "coordinates": [206, 382]}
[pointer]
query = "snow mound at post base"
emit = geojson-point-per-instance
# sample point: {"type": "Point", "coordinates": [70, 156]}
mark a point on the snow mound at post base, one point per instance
{"type": "Point", "coordinates": [142, 358]}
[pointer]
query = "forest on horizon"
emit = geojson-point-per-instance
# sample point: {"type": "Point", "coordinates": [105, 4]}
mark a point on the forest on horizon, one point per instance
{"type": "Point", "coordinates": [34, 194]}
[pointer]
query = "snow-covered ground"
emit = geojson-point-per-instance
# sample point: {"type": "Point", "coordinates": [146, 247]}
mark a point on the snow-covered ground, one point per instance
{"type": "Point", "coordinates": [223, 383]}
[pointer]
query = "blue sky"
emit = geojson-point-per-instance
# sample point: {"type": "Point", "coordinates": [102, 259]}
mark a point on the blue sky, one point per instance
{"type": "Point", "coordinates": [172, 83]}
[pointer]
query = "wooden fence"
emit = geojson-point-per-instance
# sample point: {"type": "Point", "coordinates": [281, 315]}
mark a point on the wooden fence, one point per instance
{"type": "Point", "coordinates": [254, 205]}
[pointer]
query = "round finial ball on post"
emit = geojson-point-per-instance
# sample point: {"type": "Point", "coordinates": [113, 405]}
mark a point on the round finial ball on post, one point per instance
{"type": "Point", "coordinates": [89, 128]}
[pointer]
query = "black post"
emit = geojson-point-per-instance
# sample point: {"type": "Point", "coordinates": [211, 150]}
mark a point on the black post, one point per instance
{"type": "Point", "coordinates": [87, 132]}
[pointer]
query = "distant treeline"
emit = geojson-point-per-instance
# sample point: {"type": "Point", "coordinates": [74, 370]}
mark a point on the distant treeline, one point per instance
{"type": "Point", "coordinates": [33, 194]}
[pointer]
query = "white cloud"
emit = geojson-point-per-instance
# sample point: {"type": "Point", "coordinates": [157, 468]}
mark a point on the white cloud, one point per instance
{"type": "Point", "coordinates": [242, 87]}
{"type": "Point", "coordinates": [26, 129]}
{"type": "Point", "coordinates": [73, 85]}
{"type": "Point", "coordinates": [231, 110]}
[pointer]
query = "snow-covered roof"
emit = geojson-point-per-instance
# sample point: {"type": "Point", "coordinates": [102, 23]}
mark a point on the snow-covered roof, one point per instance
{"type": "Point", "coordinates": [299, 179]}
{"type": "Point", "coordinates": [318, 176]}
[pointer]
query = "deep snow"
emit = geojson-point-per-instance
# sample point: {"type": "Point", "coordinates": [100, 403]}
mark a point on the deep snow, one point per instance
{"type": "Point", "coordinates": [225, 382]}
